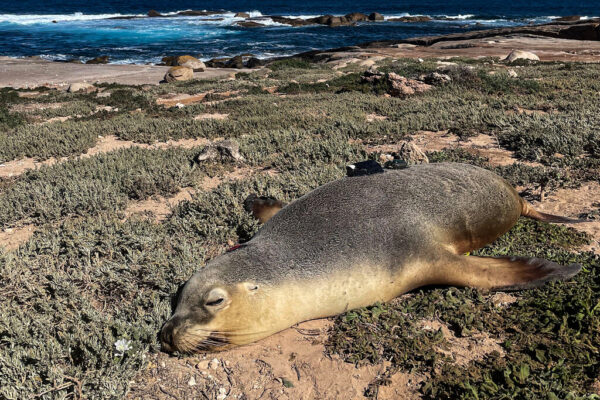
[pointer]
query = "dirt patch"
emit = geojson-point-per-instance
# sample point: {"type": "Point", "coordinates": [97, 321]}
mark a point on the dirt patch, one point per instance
{"type": "Point", "coordinates": [376, 117]}
{"type": "Point", "coordinates": [12, 238]}
{"type": "Point", "coordinates": [572, 203]}
{"type": "Point", "coordinates": [211, 116]}
{"type": "Point", "coordinates": [37, 106]}
{"type": "Point", "coordinates": [289, 365]}
{"type": "Point", "coordinates": [173, 100]}
{"type": "Point", "coordinates": [464, 349]}
{"type": "Point", "coordinates": [105, 144]}
{"type": "Point", "coordinates": [160, 207]}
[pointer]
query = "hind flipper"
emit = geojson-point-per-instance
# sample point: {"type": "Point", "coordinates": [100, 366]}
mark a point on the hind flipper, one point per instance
{"type": "Point", "coordinates": [502, 273]}
{"type": "Point", "coordinates": [262, 208]}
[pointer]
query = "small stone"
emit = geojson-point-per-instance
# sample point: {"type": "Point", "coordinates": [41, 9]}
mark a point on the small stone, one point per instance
{"type": "Point", "coordinates": [81, 87]}
{"type": "Point", "coordinates": [412, 154]}
{"type": "Point", "coordinates": [512, 73]}
{"type": "Point", "coordinates": [214, 364]}
{"type": "Point", "coordinates": [204, 364]}
{"type": "Point", "coordinates": [435, 78]}
{"type": "Point", "coordinates": [192, 381]}
{"type": "Point", "coordinates": [420, 60]}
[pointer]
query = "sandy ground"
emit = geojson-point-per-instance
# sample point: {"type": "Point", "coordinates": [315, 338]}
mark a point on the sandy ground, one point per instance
{"type": "Point", "coordinates": [33, 72]}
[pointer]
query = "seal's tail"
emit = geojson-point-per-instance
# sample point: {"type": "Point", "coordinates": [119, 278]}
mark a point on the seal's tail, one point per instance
{"type": "Point", "coordinates": [530, 212]}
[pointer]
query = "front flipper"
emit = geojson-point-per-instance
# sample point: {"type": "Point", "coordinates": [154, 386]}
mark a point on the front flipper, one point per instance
{"type": "Point", "coordinates": [262, 208]}
{"type": "Point", "coordinates": [502, 273]}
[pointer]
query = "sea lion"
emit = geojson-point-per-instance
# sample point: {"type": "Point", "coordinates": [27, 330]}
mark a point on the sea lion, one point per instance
{"type": "Point", "coordinates": [354, 242]}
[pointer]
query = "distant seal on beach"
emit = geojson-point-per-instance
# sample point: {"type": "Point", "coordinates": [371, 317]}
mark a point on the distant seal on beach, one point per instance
{"type": "Point", "coordinates": [354, 242]}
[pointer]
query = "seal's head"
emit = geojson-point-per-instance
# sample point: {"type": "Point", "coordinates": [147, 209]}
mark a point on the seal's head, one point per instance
{"type": "Point", "coordinates": [213, 314]}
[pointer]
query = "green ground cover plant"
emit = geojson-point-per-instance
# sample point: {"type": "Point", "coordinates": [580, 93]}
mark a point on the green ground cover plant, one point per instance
{"type": "Point", "coordinates": [90, 277]}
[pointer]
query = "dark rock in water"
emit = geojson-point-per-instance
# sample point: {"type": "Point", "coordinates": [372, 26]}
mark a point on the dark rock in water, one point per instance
{"type": "Point", "coordinates": [241, 15]}
{"type": "Point", "coordinates": [375, 16]}
{"type": "Point", "coordinates": [54, 21]}
{"type": "Point", "coordinates": [368, 167]}
{"type": "Point", "coordinates": [98, 60]}
{"type": "Point", "coordinates": [418, 18]}
{"type": "Point", "coordinates": [196, 13]}
{"type": "Point", "coordinates": [249, 24]}
{"type": "Point", "coordinates": [291, 21]}
{"type": "Point", "coordinates": [254, 62]}
{"type": "Point", "coordinates": [356, 17]}
{"type": "Point", "coordinates": [154, 14]}
{"type": "Point", "coordinates": [569, 18]}
{"type": "Point", "coordinates": [322, 20]}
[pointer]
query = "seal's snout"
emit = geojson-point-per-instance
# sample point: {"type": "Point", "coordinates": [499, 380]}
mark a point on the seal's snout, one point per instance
{"type": "Point", "coordinates": [166, 337]}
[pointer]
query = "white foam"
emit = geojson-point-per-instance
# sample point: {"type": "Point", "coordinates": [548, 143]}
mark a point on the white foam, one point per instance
{"type": "Point", "coordinates": [29, 19]}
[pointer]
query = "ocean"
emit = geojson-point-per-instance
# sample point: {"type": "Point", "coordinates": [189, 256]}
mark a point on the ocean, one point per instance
{"type": "Point", "coordinates": [67, 29]}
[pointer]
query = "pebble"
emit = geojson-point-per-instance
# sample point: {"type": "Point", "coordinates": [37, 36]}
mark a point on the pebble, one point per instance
{"type": "Point", "coordinates": [192, 381]}
{"type": "Point", "coordinates": [214, 364]}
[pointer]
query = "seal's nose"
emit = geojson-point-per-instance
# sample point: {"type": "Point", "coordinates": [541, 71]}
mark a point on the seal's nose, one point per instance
{"type": "Point", "coordinates": [166, 337]}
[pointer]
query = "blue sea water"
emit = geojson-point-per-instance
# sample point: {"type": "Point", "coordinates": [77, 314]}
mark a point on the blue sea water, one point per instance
{"type": "Point", "coordinates": [83, 29]}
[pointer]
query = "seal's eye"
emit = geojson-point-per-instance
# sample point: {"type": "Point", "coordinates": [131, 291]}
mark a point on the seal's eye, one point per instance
{"type": "Point", "coordinates": [215, 302]}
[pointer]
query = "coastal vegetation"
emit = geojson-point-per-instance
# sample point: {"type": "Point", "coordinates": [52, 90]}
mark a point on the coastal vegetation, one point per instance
{"type": "Point", "coordinates": [93, 273]}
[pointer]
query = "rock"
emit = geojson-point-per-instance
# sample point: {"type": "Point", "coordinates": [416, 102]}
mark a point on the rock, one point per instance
{"type": "Point", "coordinates": [175, 74]}
{"type": "Point", "coordinates": [235, 62]}
{"type": "Point", "coordinates": [196, 13]}
{"type": "Point", "coordinates": [224, 150]}
{"type": "Point", "coordinates": [411, 154]}
{"type": "Point", "coordinates": [417, 18]}
{"type": "Point", "coordinates": [401, 86]}
{"type": "Point", "coordinates": [581, 32]}
{"type": "Point", "coordinates": [372, 75]}
{"type": "Point", "coordinates": [569, 18]}
{"type": "Point", "coordinates": [203, 365]}
{"type": "Point", "coordinates": [75, 61]}
{"type": "Point", "coordinates": [190, 62]}
{"type": "Point", "coordinates": [254, 62]}
{"type": "Point", "coordinates": [521, 55]}
{"type": "Point", "coordinates": [356, 17]}
{"type": "Point", "coordinates": [435, 78]}
{"type": "Point", "coordinates": [154, 14]}
{"type": "Point", "coordinates": [512, 73]}
{"type": "Point", "coordinates": [241, 15]}
{"type": "Point", "coordinates": [98, 60]}
{"type": "Point", "coordinates": [375, 16]}
{"type": "Point", "coordinates": [249, 24]}
{"type": "Point", "coordinates": [292, 21]}
{"type": "Point", "coordinates": [214, 364]}
{"type": "Point", "coordinates": [81, 86]}
{"type": "Point", "coordinates": [192, 381]}
{"type": "Point", "coordinates": [336, 21]}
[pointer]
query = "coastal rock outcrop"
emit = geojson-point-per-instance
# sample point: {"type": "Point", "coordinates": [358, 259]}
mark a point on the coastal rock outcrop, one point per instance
{"type": "Point", "coordinates": [521, 55]}
{"type": "Point", "coordinates": [356, 17]}
{"type": "Point", "coordinates": [416, 18]}
{"type": "Point", "coordinates": [98, 60]}
{"type": "Point", "coordinates": [154, 14]}
{"type": "Point", "coordinates": [375, 16]}
{"type": "Point", "coordinates": [241, 15]}
{"type": "Point", "coordinates": [249, 24]}
{"type": "Point", "coordinates": [175, 74]}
